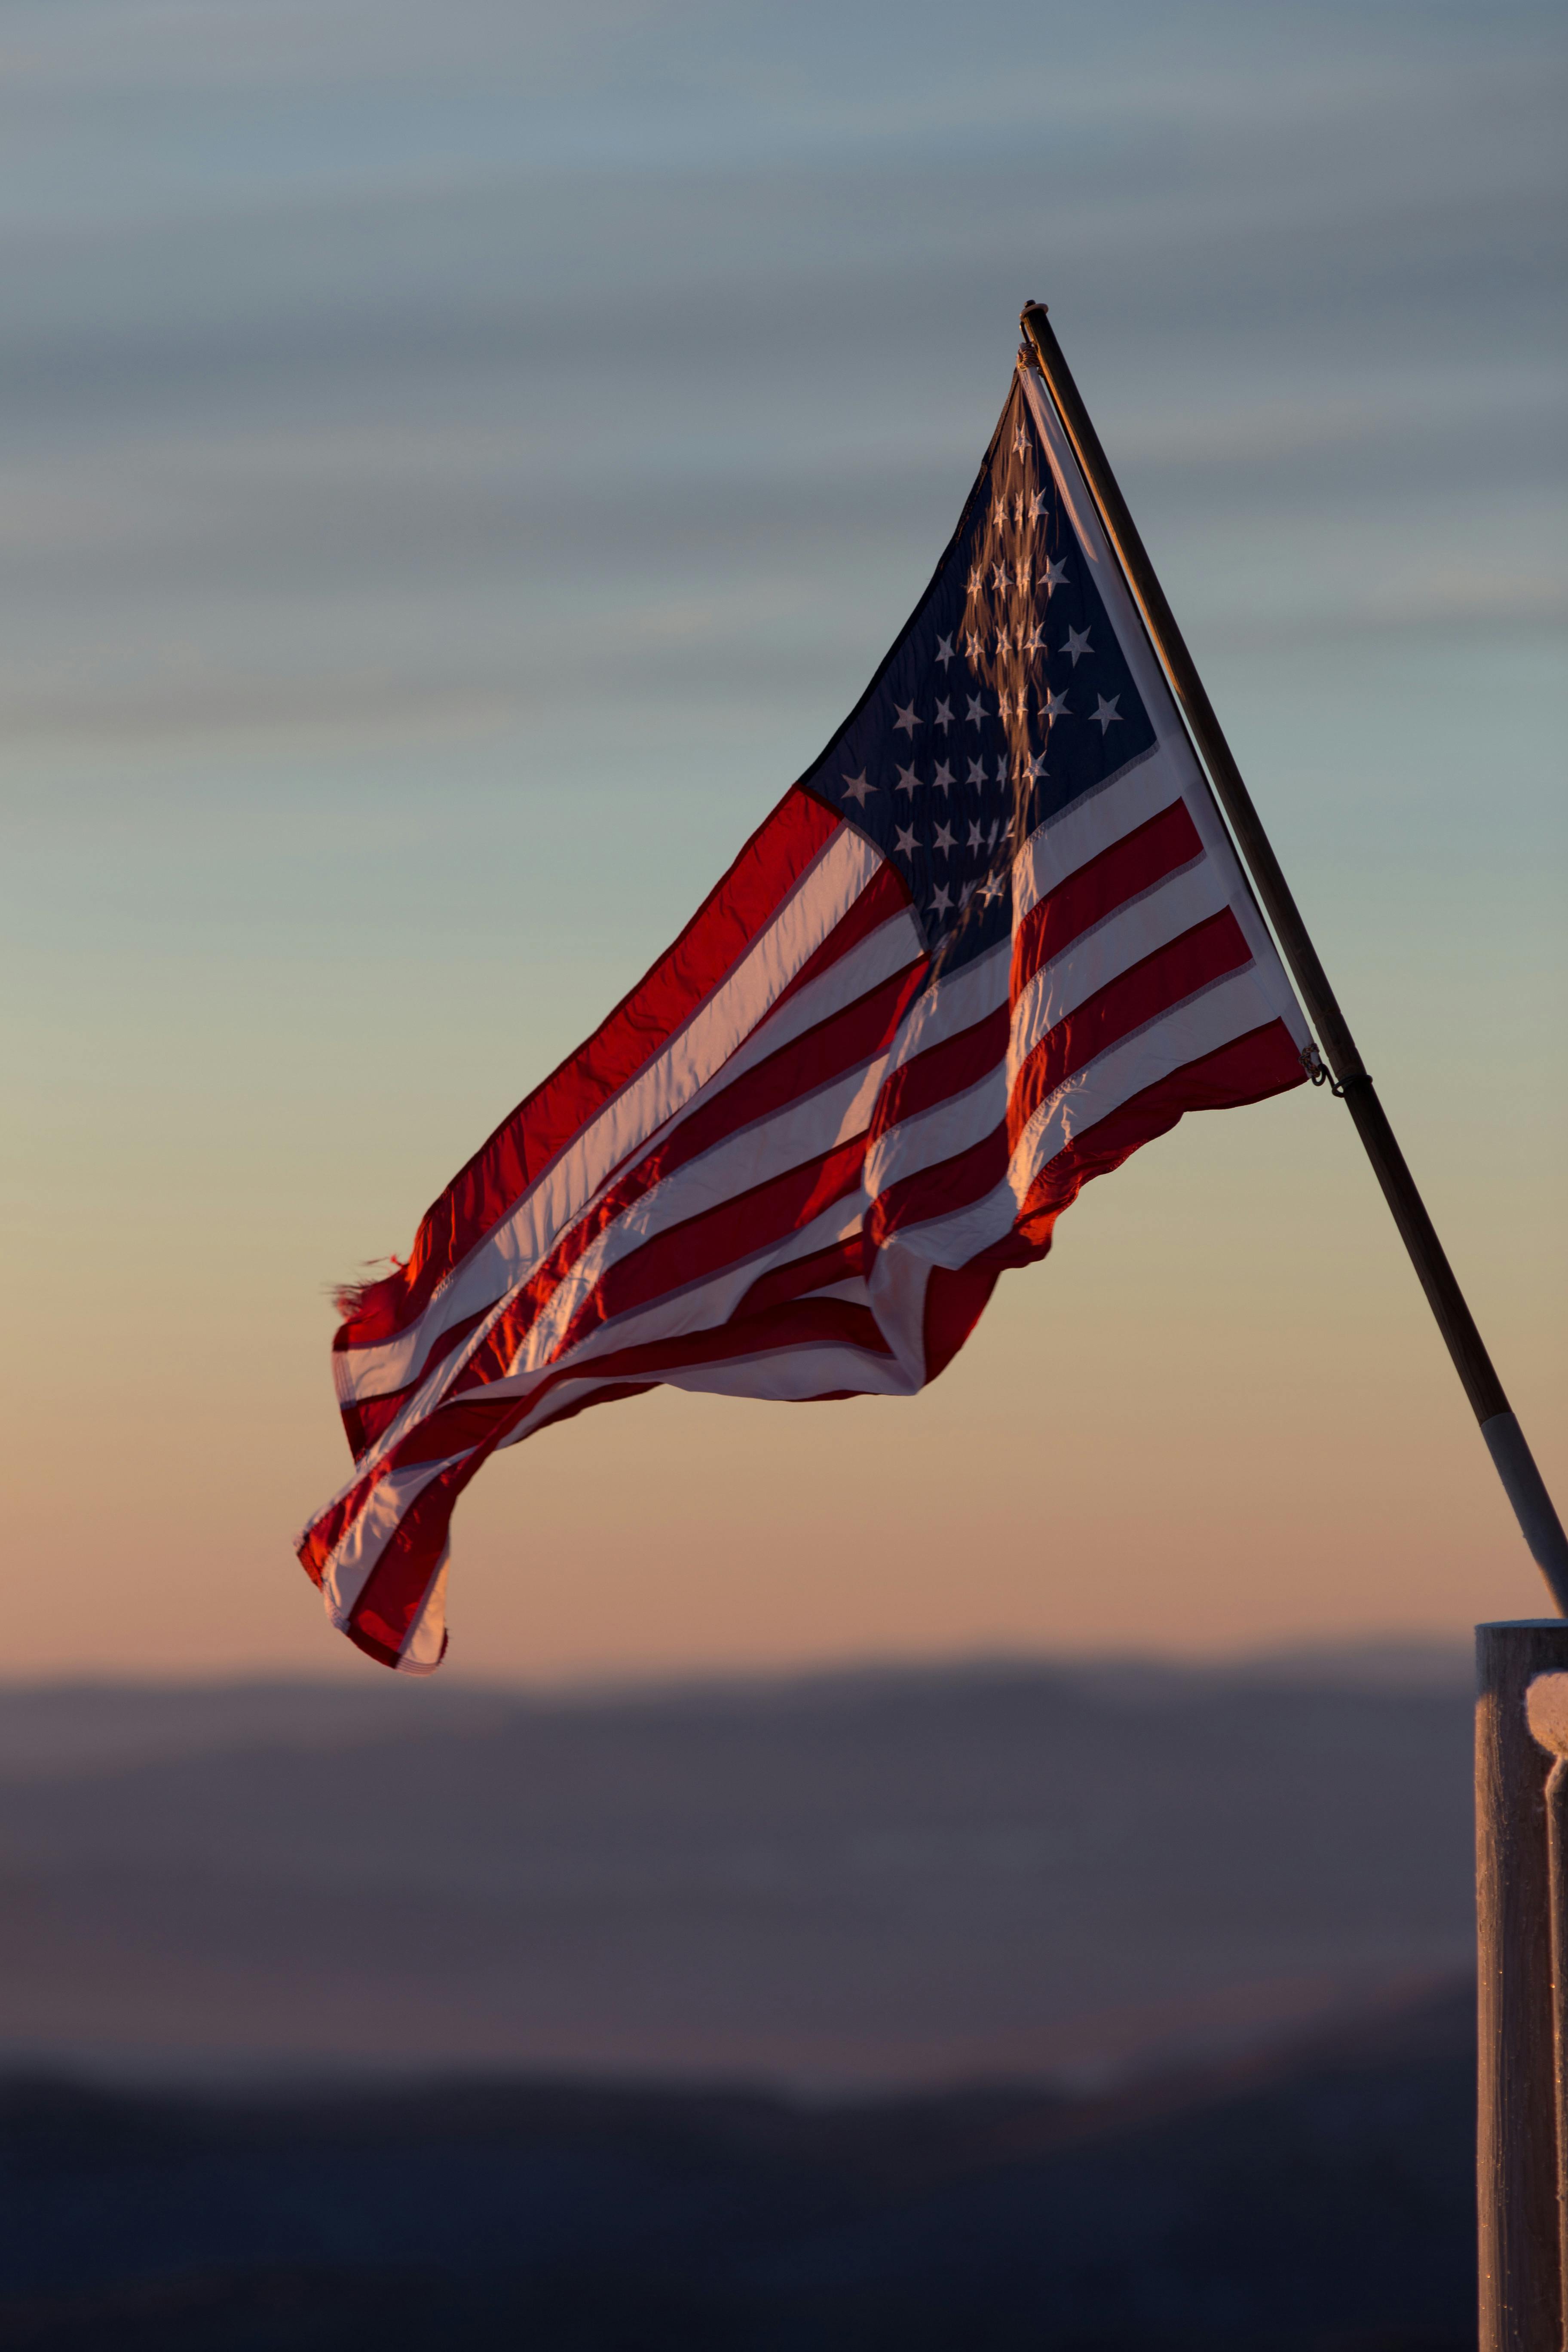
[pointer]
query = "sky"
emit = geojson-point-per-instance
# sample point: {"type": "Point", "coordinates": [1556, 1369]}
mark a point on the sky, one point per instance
{"type": "Point", "coordinates": [458, 465]}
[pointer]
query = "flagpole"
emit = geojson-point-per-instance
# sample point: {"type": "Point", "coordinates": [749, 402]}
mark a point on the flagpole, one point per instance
{"type": "Point", "coordinates": [1511, 1456]}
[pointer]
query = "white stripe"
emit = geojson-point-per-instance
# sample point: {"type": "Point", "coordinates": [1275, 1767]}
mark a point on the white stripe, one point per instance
{"type": "Point", "coordinates": [803, 1132]}
{"type": "Point", "coordinates": [1229, 1009]}
{"type": "Point", "coordinates": [705, 1046]}
{"type": "Point", "coordinates": [1112, 947]}
{"type": "Point", "coordinates": [701, 1305]}
{"type": "Point", "coordinates": [696, 1306]}
{"type": "Point", "coordinates": [949, 1126]}
{"type": "Point", "coordinates": [944, 1011]}
{"type": "Point", "coordinates": [795, 1373]}
{"type": "Point", "coordinates": [952, 1005]}
{"type": "Point", "coordinates": [1123, 939]}
{"type": "Point", "coordinates": [788, 1373]}
{"type": "Point", "coordinates": [1095, 823]}
{"type": "Point", "coordinates": [421, 1650]}
{"type": "Point", "coordinates": [892, 948]}
{"type": "Point", "coordinates": [373, 1525]}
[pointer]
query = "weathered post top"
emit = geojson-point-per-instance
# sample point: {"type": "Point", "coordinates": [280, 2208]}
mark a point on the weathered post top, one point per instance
{"type": "Point", "coordinates": [1519, 2208]}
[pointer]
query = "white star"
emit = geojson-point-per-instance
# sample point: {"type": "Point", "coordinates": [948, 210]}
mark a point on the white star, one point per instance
{"type": "Point", "coordinates": [1037, 767]}
{"type": "Point", "coordinates": [965, 895]}
{"type": "Point", "coordinates": [1001, 642]}
{"type": "Point", "coordinates": [855, 788]}
{"type": "Point", "coordinates": [1035, 503]}
{"type": "Point", "coordinates": [943, 838]}
{"type": "Point", "coordinates": [944, 715]}
{"type": "Point", "coordinates": [1020, 507]}
{"type": "Point", "coordinates": [1022, 574]}
{"type": "Point", "coordinates": [1107, 714]}
{"type": "Point", "coordinates": [1055, 573]}
{"type": "Point", "coordinates": [940, 900]}
{"type": "Point", "coordinates": [977, 772]}
{"type": "Point", "coordinates": [1054, 705]}
{"type": "Point", "coordinates": [976, 711]}
{"type": "Point", "coordinates": [999, 576]}
{"type": "Point", "coordinates": [974, 645]}
{"type": "Point", "coordinates": [996, 886]}
{"type": "Point", "coordinates": [1001, 771]}
{"type": "Point", "coordinates": [1077, 643]}
{"type": "Point", "coordinates": [1021, 440]}
{"type": "Point", "coordinates": [976, 579]}
{"type": "Point", "coordinates": [906, 722]}
{"type": "Point", "coordinates": [944, 651]}
{"type": "Point", "coordinates": [1033, 641]}
{"type": "Point", "coordinates": [976, 837]}
{"type": "Point", "coordinates": [908, 781]}
{"type": "Point", "coordinates": [942, 778]}
{"type": "Point", "coordinates": [906, 841]}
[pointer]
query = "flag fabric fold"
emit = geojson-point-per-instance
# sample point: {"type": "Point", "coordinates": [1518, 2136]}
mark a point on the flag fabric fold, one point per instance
{"type": "Point", "coordinates": [992, 941]}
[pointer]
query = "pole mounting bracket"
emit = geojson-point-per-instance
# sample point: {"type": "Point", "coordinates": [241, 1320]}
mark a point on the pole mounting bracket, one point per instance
{"type": "Point", "coordinates": [1317, 1070]}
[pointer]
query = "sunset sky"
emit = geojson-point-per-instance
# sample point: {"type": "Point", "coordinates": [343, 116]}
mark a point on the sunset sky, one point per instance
{"type": "Point", "coordinates": [458, 465]}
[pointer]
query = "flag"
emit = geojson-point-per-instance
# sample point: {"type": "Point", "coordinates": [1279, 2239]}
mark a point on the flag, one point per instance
{"type": "Point", "coordinates": [993, 940]}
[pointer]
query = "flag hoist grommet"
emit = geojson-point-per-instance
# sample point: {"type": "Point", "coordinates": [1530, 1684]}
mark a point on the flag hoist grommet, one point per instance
{"type": "Point", "coordinates": [994, 940]}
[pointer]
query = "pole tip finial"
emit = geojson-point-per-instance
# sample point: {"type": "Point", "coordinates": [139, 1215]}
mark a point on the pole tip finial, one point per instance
{"type": "Point", "coordinates": [1033, 304]}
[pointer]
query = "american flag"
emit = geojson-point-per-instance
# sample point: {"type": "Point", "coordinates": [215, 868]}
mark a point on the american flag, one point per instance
{"type": "Point", "coordinates": [992, 941]}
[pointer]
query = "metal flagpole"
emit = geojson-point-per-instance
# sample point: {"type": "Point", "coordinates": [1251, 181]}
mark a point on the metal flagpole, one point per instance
{"type": "Point", "coordinates": [1515, 1464]}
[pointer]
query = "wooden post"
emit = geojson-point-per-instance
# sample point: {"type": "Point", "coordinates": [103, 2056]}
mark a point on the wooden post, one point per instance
{"type": "Point", "coordinates": [1511, 1458]}
{"type": "Point", "coordinates": [1546, 1710]}
{"type": "Point", "coordinates": [1522, 2094]}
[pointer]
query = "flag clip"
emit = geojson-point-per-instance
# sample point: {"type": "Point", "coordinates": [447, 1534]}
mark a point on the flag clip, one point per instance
{"type": "Point", "coordinates": [1317, 1070]}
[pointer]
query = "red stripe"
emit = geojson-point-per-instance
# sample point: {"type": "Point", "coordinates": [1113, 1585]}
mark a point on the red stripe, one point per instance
{"type": "Point", "coordinates": [958, 1062]}
{"type": "Point", "coordinates": [1135, 996]}
{"type": "Point", "coordinates": [519, 1151]}
{"type": "Point", "coordinates": [1157, 849]}
{"type": "Point", "coordinates": [794, 1323]}
{"type": "Point", "coordinates": [395, 1591]}
{"type": "Point", "coordinates": [1265, 1061]}
{"type": "Point", "coordinates": [740, 1226]}
{"type": "Point", "coordinates": [956, 1297]}
{"type": "Point", "coordinates": [323, 1535]}
{"type": "Point", "coordinates": [842, 1043]}
{"type": "Point", "coordinates": [937, 1191]}
{"type": "Point", "coordinates": [801, 1275]}
{"type": "Point", "coordinates": [363, 1422]}
{"type": "Point", "coordinates": [743, 1226]}
{"type": "Point", "coordinates": [1131, 866]}
{"type": "Point", "coordinates": [480, 1423]}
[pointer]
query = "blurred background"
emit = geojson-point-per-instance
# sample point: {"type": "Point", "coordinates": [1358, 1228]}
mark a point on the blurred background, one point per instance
{"type": "Point", "coordinates": [458, 465]}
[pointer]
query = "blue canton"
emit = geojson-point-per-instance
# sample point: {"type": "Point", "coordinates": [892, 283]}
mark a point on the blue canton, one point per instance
{"type": "Point", "coordinates": [1005, 698]}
